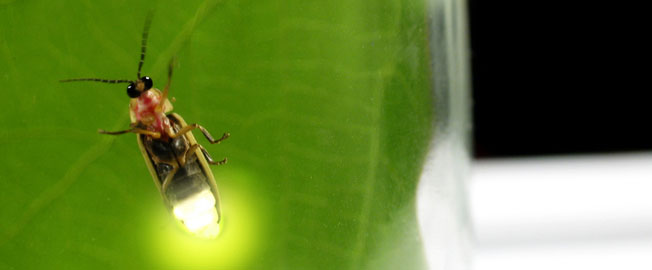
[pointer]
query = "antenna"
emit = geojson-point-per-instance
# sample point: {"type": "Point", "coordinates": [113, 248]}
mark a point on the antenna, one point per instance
{"type": "Point", "coordinates": [97, 80]}
{"type": "Point", "coordinates": [143, 46]}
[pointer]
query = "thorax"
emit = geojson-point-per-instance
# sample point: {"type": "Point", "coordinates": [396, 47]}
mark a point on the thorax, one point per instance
{"type": "Point", "coordinates": [149, 110]}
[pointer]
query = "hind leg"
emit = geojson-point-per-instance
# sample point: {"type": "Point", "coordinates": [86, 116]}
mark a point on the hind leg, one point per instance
{"type": "Point", "coordinates": [208, 157]}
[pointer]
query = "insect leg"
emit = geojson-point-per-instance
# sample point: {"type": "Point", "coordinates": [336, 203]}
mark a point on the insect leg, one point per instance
{"type": "Point", "coordinates": [203, 130]}
{"type": "Point", "coordinates": [168, 178]}
{"type": "Point", "coordinates": [186, 155]}
{"type": "Point", "coordinates": [101, 131]}
{"type": "Point", "coordinates": [208, 157]}
{"type": "Point", "coordinates": [152, 134]}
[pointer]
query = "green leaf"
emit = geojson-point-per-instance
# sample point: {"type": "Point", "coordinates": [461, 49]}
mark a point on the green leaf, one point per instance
{"type": "Point", "coordinates": [328, 105]}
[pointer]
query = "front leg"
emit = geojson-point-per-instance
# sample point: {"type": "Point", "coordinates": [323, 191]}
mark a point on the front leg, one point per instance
{"type": "Point", "coordinates": [101, 131]}
{"type": "Point", "coordinates": [153, 134]}
{"type": "Point", "coordinates": [208, 136]}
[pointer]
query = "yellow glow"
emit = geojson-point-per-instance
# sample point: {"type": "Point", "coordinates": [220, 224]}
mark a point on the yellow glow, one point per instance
{"type": "Point", "coordinates": [244, 229]}
{"type": "Point", "coordinates": [198, 214]}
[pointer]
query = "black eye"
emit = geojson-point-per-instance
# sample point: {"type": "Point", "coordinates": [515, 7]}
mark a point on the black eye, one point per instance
{"type": "Point", "coordinates": [132, 92]}
{"type": "Point", "coordinates": [148, 82]}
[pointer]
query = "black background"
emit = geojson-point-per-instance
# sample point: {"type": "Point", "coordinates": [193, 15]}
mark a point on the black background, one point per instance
{"type": "Point", "coordinates": [559, 78]}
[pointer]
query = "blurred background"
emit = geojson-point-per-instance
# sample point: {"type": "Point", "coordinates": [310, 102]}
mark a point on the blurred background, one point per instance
{"type": "Point", "coordinates": [561, 175]}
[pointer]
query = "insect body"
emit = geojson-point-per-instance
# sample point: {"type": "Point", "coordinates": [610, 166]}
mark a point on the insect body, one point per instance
{"type": "Point", "coordinates": [181, 172]}
{"type": "Point", "coordinates": [177, 163]}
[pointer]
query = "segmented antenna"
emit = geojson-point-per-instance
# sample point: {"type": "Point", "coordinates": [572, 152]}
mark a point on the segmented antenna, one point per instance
{"type": "Point", "coordinates": [143, 45]}
{"type": "Point", "coordinates": [97, 80]}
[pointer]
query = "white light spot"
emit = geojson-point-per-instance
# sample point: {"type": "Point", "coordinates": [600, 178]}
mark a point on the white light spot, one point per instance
{"type": "Point", "coordinates": [198, 214]}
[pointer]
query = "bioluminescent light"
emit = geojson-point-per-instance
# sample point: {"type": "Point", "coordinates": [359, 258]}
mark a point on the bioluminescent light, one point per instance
{"type": "Point", "coordinates": [198, 214]}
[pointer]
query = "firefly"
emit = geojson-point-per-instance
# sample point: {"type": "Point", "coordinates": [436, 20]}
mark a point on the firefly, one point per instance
{"type": "Point", "coordinates": [178, 164]}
